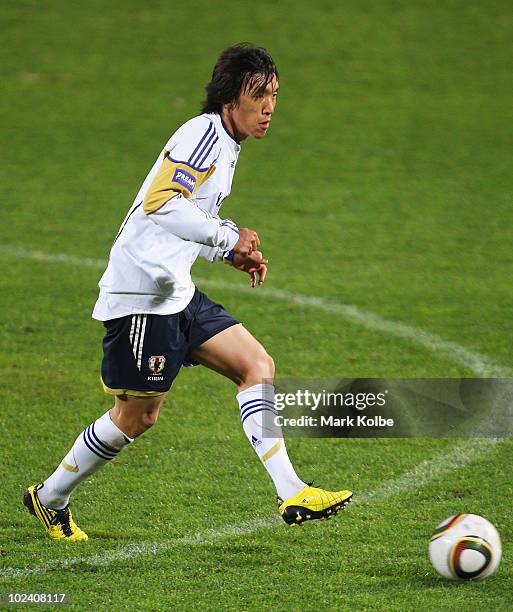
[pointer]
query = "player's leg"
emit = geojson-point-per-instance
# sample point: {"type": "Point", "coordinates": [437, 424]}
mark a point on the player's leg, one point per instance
{"type": "Point", "coordinates": [236, 354]}
{"type": "Point", "coordinates": [98, 444]}
{"type": "Point", "coordinates": [136, 372]}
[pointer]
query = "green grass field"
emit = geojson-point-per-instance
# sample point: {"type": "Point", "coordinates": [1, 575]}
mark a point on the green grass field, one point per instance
{"type": "Point", "coordinates": [385, 184]}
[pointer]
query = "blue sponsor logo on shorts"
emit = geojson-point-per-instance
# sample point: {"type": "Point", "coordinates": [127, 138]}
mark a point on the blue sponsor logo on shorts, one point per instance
{"type": "Point", "coordinates": [185, 179]}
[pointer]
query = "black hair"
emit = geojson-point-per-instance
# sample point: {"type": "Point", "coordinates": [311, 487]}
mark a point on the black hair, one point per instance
{"type": "Point", "coordinates": [241, 68]}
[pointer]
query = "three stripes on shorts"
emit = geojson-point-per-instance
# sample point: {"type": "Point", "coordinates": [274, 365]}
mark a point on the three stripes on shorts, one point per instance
{"type": "Point", "coordinates": [137, 330]}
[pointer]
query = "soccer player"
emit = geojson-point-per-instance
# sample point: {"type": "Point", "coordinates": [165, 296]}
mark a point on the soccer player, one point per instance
{"type": "Point", "coordinates": [156, 320]}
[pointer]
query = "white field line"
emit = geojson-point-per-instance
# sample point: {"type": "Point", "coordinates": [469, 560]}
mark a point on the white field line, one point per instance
{"type": "Point", "coordinates": [481, 365]}
{"type": "Point", "coordinates": [456, 458]}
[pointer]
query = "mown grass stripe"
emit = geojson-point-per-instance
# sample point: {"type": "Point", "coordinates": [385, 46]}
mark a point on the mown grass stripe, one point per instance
{"type": "Point", "coordinates": [480, 364]}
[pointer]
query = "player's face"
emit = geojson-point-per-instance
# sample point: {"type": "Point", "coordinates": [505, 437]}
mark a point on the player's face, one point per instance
{"type": "Point", "coordinates": [252, 114]}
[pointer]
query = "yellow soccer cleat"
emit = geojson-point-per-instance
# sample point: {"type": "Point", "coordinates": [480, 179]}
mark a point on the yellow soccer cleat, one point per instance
{"type": "Point", "coordinates": [58, 524]}
{"type": "Point", "coordinates": [312, 503]}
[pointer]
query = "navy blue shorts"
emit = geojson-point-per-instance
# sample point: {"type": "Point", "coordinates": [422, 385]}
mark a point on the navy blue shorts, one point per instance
{"type": "Point", "coordinates": [143, 353]}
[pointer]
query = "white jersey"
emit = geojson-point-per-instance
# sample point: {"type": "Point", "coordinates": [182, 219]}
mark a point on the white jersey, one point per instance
{"type": "Point", "coordinates": [174, 218]}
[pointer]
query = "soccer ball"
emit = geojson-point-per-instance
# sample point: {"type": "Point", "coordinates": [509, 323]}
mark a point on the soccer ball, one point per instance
{"type": "Point", "coordinates": [465, 547]}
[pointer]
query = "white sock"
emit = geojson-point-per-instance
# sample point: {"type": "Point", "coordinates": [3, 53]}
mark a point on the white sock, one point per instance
{"type": "Point", "coordinates": [98, 444]}
{"type": "Point", "coordinates": [268, 442]}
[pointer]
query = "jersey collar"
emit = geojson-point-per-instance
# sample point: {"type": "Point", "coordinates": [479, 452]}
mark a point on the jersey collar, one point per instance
{"type": "Point", "coordinates": [228, 132]}
{"type": "Point", "coordinates": [223, 130]}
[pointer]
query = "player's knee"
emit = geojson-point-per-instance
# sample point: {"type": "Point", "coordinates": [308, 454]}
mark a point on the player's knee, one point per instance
{"type": "Point", "coordinates": [148, 419]}
{"type": "Point", "coordinates": [261, 367]}
{"type": "Point", "coordinates": [140, 422]}
{"type": "Point", "coordinates": [149, 415]}
{"type": "Point", "coordinates": [134, 416]}
{"type": "Point", "coordinates": [270, 367]}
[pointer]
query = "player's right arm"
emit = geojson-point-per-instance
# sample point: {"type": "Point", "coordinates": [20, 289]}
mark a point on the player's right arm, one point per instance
{"type": "Point", "coordinates": [248, 243]}
{"type": "Point", "coordinates": [187, 164]}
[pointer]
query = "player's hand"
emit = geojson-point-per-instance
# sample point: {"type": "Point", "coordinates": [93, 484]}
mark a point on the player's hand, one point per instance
{"type": "Point", "coordinates": [247, 243]}
{"type": "Point", "coordinates": [254, 264]}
